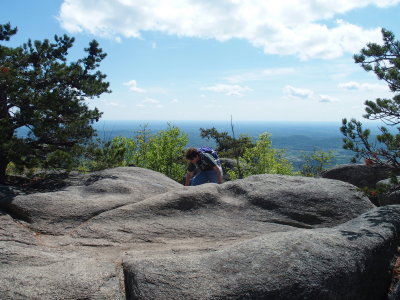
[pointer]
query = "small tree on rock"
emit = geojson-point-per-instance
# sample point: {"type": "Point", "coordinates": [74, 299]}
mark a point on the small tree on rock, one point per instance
{"type": "Point", "coordinates": [316, 162]}
{"type": "Point", "coordinates": [263, 159]}
{"type": "Point", "coordinates": [46, 96]}
{"type": "Point", "coordinates": [384, 60]}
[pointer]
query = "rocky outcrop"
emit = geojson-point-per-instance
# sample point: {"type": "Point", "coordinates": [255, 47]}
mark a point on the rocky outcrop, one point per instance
{"type": "Point", "coordinates": [391, 194]}
{"type": "Point", "coordinates": [39, 260]}
{"type": "Point", "coordinates": [31, 268]}
{"type": "Point", "coordinates": [58, 212]}
{"type": "Point", "coordinates": [235, 210]}
{"type": "Point", "coordinates": [368, 176]}
{"type": "Point", "coordinates": [135, 231]}
{"type": "Point", "coordinates": [387, 183]}
{"type": "Point", "coordinates": [342, 262]}
{"type": "Point", "coordinates": [357, 174]}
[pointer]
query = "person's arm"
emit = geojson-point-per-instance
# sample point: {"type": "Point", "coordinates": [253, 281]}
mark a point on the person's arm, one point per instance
{"type": "Point", "coordinates": [219, 174]}
{"type": "Point", "coordinates": [188, 176]}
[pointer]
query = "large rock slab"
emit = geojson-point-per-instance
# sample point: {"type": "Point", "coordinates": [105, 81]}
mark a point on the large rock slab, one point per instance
{"type": "Point", "coordinates": [71, 244]}
{"type": "Point", "coordinates": [357, 174]}
{"type": "Point", "coordinates": [31, 270]}
{"type": "Point", "coordinates": [61, 211]}
{"type": "Point", "coordinates": [349, 261]}
{"type": "Point", "coordinates": [235, 210]}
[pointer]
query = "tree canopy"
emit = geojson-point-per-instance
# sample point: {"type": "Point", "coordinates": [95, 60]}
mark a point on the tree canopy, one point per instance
{"type": "Point", "coordinates": [45, 94]}
{"type": "Point", "coordinates": [384, 61]}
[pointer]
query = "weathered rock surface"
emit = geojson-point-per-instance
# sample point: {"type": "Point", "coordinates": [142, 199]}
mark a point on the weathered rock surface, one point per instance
{"type": "Point", "coordinates": [31, 270]}
{"type": "Point", "coordinates": [357, 174]}
{"type": "Point", "coordinates": [343, 262]}
{"type": "Point", "coordinates": [385, 183]}
{"type": "Point", "coordinates": [128, 227]}
{"type": "Point", "coordinates": [391, 195]}
{"type": "Point", "coordinates": [58, 212]}
{"type": "Point", "coordinates": [234, 210]}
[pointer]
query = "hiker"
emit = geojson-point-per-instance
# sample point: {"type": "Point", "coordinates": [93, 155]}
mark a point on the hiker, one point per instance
{"type": "Point", "coordinates": [203, 167]}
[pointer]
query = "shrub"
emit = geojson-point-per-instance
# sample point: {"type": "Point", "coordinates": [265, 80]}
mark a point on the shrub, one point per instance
{"type": "Point", "coordinates": [262, 159]}
{"type": "Point", "coordinates": [316, 162]}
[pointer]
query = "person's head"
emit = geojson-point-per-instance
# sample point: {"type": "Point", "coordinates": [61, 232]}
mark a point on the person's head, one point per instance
{"type": "Point", "coordinates": [192, 154]}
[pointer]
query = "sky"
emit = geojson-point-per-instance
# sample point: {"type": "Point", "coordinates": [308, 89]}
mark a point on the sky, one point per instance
{"type": "Point", "coordinates": [263, 60]}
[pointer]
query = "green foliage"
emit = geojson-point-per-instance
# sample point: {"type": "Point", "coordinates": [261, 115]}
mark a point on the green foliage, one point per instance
{"type": "Point", "coordinates": [101, 155]}
{"type": "Point", "coordinates": [165, 153]}
{"type": "Point", "coordinates": [142, 138]}
{"type": "Point", "coordinates": [263, 159]}
{"type": "Point", "coordinates": [6, 32]}
{"type": "Point", "coordinates": [251, 158]}
{"type": "Point", "coordinates": [12, 169]}
{"type": "Point", "coordinates": [161, 152]}
{"type": "Point", "coordinates": [227, 146]}
{"type": "Point", "coordinates": [43, 93]}
{"type": "Point", "coordinates": [316, 162]}
{"type": "Point", "coordinates": [384, 60]}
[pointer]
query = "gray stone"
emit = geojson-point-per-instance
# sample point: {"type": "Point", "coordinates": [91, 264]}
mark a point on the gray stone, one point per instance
{"type": "Point", "coordinates": [350, 261]}
{"type": "Point", "coordinates": [227, 165]}
{"type": "Point", "coordinates": [389, 198]}
{"type": "Point", "coordinates": [61, 211]}
{"type": "Point", "coordinates": [359, 175]}
{"type": "Point", "coordinates": [234, 210]}
{"type": "Point", "coordinates": [389, 193]}
{"type": "Point", "coordinates": [236, 238]}
{"type": "Point", "coordinates": [30, 269]}
{"type": "Point", "coordinates": [385, 183]}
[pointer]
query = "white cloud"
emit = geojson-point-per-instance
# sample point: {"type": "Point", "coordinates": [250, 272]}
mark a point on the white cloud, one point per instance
{"type": "Point", "coordinates": [355, 86]}
{"type": "Point", "coordinates": [174, 101]}
{"type": "Point", "coordinates": [228, 89]}
{"type": "Point", "coordinates": [281, 27]}
{"type": "Point", "coordinates": [132, 84]}
{"type": "Point", "coordinates": [351, 85]}
{"type": "Point", "coordinates": [150, 103]}
{"type": "Point", "coordinates": [326, 99]}
{"type": "Point", "coordinates": [260, 75]}
{"type": "Point", "coordinates": [293, 92]}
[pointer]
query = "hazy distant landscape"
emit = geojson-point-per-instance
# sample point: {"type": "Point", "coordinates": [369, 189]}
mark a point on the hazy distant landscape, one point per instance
{"type": "Point", "coordinates": [296, 138]}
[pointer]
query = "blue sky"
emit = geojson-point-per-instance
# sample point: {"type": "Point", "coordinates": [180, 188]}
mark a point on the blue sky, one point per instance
{"type": "Point", "coordinates": [260, 60]}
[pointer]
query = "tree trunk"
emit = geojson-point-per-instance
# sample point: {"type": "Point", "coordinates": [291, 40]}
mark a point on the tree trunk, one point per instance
{"type": "Point", "coordinates": [236, 151]}
{"type": "Point", "coordinates": [7, 131]}
{"type": "Point", "coordinates": [3, 167]}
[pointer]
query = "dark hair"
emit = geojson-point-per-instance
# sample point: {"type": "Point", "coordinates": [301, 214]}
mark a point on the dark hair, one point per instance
{"type": "Point", "coordinates": [191, 153]}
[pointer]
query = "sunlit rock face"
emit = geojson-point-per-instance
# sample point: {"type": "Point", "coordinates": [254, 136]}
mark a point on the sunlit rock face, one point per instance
{"type": "Point", "coordinates": [134, 233]}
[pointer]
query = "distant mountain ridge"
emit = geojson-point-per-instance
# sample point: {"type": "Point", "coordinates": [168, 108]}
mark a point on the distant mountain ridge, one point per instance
{"type": "Point", "coordinates": [296, 138]}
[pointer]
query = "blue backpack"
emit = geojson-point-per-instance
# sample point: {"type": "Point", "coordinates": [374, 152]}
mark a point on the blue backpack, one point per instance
{"type": "Point", "coordinates": [211, 151]}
